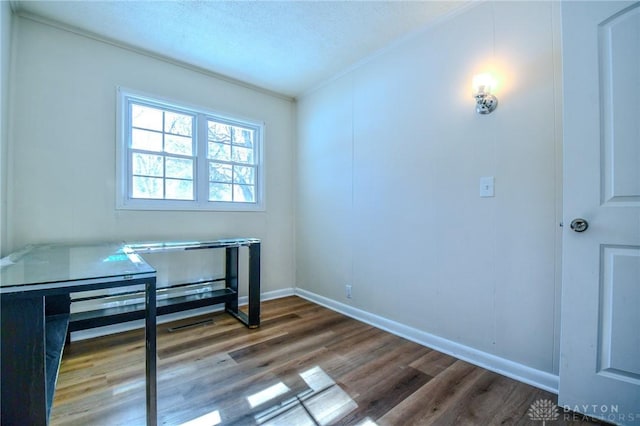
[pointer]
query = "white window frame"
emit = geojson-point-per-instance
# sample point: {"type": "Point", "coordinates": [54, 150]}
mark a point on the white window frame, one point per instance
{"type": "Point", "coordinates": [201, 170]}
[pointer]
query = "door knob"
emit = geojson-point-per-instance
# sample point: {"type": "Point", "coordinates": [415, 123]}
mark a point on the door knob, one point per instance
{"type": "Point", "coordinates": [579, 225]}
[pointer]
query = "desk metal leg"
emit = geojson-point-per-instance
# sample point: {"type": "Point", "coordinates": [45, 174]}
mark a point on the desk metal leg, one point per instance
{"type": "Point", "coordinates": [231, 278]}
{"type": "Point", "coordinates": [252, 319]}
{"type": "Point", "coordinates": [23, 361]}
{"type": "Point", "coordinates": [150, 355]}
{"type": "Point", "coordinates": [254, 285]}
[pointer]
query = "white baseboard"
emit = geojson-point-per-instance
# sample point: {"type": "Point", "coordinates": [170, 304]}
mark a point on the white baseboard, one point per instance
{"type": "Point", "coordinates": [132, 325]}
{"type": "Point", "coordinates": [270, 295]}
{"type": "Point", "coordinates": [514, 370]}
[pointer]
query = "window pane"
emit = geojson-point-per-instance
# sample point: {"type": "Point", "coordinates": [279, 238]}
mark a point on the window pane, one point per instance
{"type": "Point", "coordinates": [146, 164]}
{"type": "Point", "coordinates": [146, 117]}
{"type": "Point", "coordinates": [144, 139]}
{"type": "Point", "coordinates": [178, 145]}
{"type": "Point", "coordinates": [244, 193]}
{"type": "Point", "coordinates": [220, 172]}
{"type": "Point", "coordinates": [219, 132]}
{"type": "Point", "coordinates": [146, 187]}
{"type": "Point", "coordinates": [179, 168]}
{"type": "Point", "coordinates": [179, 189]}
{"type": "Point", "coordinates": [220, 192]}
{"type": "Point", "coordinates": [243, 136]}
{"type": "Point", "coordinates": [242, 155]}
{"type": "Point", "coordinates": [219, 151]}
{"type": "Point", "coordinates": [244, 175]}
{"type": "Point", "coordinates": [179, 124]}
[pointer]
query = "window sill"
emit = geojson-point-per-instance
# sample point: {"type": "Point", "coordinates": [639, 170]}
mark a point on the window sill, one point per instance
{"type": "Point", "coordinates": [164, 205]}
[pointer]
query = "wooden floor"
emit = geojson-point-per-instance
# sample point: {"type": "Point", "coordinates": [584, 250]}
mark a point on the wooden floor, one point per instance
{"type": "Point", "coordinates": [305, 365]}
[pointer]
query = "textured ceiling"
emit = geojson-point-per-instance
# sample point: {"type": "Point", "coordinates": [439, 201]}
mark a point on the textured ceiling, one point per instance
{"type": "Point", "coordinates": [286, 47]}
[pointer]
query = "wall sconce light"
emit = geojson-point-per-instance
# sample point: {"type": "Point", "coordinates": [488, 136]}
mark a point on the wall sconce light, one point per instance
{"type": "Point", "coordinates": [483, 84]}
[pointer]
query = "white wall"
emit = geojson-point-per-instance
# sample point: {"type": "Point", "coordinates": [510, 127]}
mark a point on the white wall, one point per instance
{"type": "Point", "coordinates": [64, 141]}
{"type": "Point", "coordinates": [6, 21]}
{"type": "Point", "coordinates": [389, 161]}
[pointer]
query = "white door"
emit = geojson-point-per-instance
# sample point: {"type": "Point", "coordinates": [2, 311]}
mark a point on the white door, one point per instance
{"type": "Point", "coordinates": [600, 337]}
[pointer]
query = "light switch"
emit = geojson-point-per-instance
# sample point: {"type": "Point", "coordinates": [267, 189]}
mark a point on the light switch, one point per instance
{"type": "Point", "coordinates": [487, 186]}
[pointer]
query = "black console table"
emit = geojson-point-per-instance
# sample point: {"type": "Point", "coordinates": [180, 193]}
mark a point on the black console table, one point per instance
{"type": "Point", "coordinates": [35, 289]}
{"type": "Point", "coordinates": [227, 295]}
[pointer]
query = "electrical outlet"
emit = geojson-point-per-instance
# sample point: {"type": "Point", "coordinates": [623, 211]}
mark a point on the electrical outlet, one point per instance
{"type": "Point", "coordinates": [348, 290]}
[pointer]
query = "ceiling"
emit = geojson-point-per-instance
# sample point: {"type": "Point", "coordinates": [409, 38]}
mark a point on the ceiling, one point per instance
{"type": "Point", "coordinates": [287, 47]}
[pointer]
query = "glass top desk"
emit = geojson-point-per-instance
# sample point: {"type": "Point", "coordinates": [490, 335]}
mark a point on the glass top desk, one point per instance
{"type": "Point", "coordinates": [31, 281]}
{"type": "Point", "coordinates": [35, 284]}
{"type": "Point", "coordinates": [49, 266]}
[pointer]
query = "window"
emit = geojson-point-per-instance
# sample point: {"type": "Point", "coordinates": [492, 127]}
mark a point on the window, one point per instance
{"type": "Point", "coordinates": [172, 157]}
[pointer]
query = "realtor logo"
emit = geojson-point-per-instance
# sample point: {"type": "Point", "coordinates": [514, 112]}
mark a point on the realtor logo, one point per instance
{"type": "Point", "coordinates": [543, 410]}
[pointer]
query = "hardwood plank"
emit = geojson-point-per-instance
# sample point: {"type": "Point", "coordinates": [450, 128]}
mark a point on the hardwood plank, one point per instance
{"type": "Point", "coordinates": [390, 362]}
{"type": "Point", "coordinates": [382, 396]}
{"type": "Point", "coordinates": [439, 394]}
{"type": "Point", "coordinates": [433, 363]}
